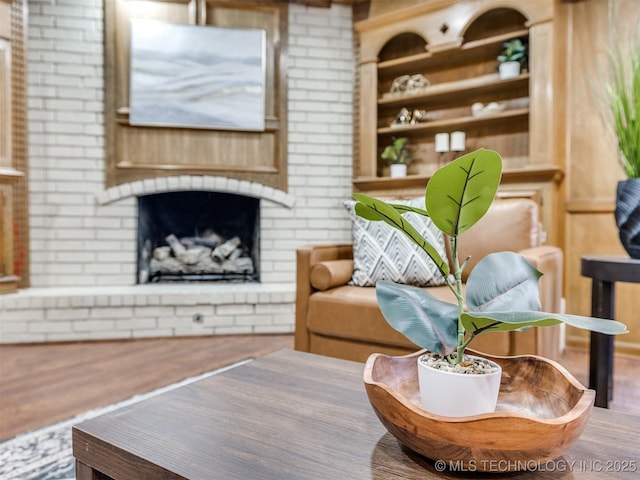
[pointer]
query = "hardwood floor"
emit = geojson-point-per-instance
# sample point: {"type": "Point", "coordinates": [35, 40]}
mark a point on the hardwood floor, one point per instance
{"type": "Point", "coordinates": [45, 383]}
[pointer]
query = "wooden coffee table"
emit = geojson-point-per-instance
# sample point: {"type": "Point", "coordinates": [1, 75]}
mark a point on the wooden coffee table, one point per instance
{"type": "Point", "coordinates": [298, 416]}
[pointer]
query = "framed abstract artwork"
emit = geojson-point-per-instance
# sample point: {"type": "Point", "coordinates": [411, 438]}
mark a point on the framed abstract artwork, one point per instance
{"type": "Point", "coordinates": [197, 76]}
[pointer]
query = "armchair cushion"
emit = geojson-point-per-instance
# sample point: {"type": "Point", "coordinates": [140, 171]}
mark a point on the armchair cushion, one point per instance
{"type": "Point", "coordinates": [380, 252]}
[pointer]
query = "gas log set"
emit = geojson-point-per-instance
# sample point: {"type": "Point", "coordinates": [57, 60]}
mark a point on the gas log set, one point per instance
{"type": "Point", "coordinates": [206, 257]}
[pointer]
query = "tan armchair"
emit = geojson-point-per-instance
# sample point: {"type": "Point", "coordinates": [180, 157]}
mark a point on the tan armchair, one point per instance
{"type": "Point", "coordinates": [344, 321]}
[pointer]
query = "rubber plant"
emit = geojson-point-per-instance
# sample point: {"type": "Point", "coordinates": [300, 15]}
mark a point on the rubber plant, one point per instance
{"type": "Point", "coordinates": [501, 291]}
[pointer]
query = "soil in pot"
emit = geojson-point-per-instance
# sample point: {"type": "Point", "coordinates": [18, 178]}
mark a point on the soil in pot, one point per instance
{"type": "Point", "coordinates": [469, 388]}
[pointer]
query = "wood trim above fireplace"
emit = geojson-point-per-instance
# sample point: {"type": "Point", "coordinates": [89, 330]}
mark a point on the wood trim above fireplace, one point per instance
{"type": "Point", "coordinates": [137, 153]}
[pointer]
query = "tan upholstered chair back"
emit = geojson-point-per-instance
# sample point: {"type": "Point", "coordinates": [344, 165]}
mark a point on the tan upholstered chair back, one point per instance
{"type": "Point", "coordinates": [510, 224]}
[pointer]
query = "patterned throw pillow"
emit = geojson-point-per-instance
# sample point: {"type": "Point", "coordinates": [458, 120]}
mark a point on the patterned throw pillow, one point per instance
{"type": "Point", "coordinates": [380, 252]}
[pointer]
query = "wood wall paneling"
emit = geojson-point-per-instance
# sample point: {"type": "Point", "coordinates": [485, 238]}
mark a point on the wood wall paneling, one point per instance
{"type": "Point", "coordinates": [135, 152]}
{"type": "Point", "coordinates": [5, 104]}
{"type": "Point", "coordinates": [591, 158]}
{"type": "Point", "coordinates": [5, 19]}
{"type": "Point", "coordinates": [13, 190]}
{"type": "Point", "coordinates": [592, 234]}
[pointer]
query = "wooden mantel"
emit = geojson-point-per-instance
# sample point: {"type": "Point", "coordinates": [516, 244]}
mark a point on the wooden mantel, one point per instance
{"type": "Point", "coordinates": [140, 152]}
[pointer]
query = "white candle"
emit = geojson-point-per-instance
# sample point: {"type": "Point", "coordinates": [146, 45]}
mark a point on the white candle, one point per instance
{"type": "Point", "coordinates": [442, 142]}
{"type": "Point", "coordinates": [457, 141]}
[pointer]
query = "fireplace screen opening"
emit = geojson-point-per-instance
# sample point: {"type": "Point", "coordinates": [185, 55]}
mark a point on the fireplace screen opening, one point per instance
{"type": "Point", "coordinates": [198, 237]}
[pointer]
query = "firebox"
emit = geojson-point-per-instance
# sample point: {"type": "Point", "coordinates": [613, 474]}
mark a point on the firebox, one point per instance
{"type": "Point", "coordinates": [198, 236]}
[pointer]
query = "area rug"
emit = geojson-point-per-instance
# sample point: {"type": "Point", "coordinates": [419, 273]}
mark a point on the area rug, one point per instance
{"type": "Point", "coordinates": [45, 454]}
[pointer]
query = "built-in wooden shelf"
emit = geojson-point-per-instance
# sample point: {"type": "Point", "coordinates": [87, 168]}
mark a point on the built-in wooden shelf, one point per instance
{"type": "Point", "coordinates": [455, 91]}
{"type": "Point", "coordinates": [458, 122]}
{"type": "Point", "coordinates": [8, 174]}
{"type": "Point", "coordinates": [8, 284]}
{"type": "Point", "coordinates": [533, 174]}
{"type": "Point", "coordinates": [449, 56]}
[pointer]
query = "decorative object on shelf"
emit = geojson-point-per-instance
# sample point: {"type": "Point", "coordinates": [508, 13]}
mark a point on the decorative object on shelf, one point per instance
{"type": "Point", "coordinates": [458, 140]}
{"type": "Point", "coordinates": [512, 58]}
{"type": "Point", "coordinates": [624, 102]}
{"type": "Point", "coordinates": [418, 116]}
{"type": "Point", "coordinates": [541, 411]}
{"type": "Point", "coordinates": [442, 142]}
{"type": "Point", "coordinates": [479, 109]}
{"type": "Point", "coordinates": [501, 291]}
{"type": "Point", "coordinates": [397, 155]}
{"type": "Point", "coordinates": [405, 117]}
{"type": "Point", "coordinates": [408, 85]}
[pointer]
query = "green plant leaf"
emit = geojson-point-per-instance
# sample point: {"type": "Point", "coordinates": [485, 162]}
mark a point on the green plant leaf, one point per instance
{"type": "Point", "coordinates": [476, 323]}
{"type": "Point", "coordinates": [503, 281]}
{"type": "Point", "coordinates": [407, 208]}
{"type": "Point", "coordinates": [624, 96]}
{"type": "Point", "coordinates": [389, 153]}
{"type": "Point", "coordinates": [461, 192]}
{"type": "Point", "coordinates": [425, 320]}
{"type": "Point", "coordinates": [397, 151]}
{"type": "Point", "coordinates": [601, 325]}
{"type": "Point", "coordinates": [519, 320]}
{"type": "Point", "coordinates": [373, 209]}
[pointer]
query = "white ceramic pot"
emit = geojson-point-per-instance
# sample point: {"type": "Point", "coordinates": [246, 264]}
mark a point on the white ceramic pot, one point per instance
{"type": "Point", "coordinates": [398, 170]}
{"type": "Point", "coordinates": [508, 70]}
{"type": "Point", "coordinates": [457, 394]}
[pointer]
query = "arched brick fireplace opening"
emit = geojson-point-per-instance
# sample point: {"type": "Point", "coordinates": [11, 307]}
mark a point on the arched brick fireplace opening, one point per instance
{"type": "Point", "coordinates": [198, 236]}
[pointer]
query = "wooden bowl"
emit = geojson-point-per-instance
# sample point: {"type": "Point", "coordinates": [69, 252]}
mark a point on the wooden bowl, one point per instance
{"type": "Point", "coordinates": [542, 409]}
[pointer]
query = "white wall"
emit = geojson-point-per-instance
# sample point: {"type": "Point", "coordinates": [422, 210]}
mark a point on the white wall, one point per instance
{"type": "Point", "coordinates": [83, 237]}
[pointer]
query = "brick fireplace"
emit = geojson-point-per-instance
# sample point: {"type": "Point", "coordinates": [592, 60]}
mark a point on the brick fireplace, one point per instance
{"type": "Point", "coordinates": [84, 238]}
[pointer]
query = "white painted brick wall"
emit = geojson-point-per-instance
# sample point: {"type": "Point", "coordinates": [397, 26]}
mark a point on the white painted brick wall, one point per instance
{"type": "Point", "coordinates": [80, 239]}
{"type": "Point", "coordinates": [77, 241]}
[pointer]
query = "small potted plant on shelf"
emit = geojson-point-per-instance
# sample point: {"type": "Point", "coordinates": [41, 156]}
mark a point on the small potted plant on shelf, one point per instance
{"type": "Point", "coordinates": [513, 56]}
{"type": "Point", "coordinates": [397, 154]}
{"type": "Point", "coordinates": [501, 291]}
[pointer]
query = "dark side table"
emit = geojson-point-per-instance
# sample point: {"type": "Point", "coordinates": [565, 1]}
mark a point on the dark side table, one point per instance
{"type": "Point", "coordinates": [604, 271]}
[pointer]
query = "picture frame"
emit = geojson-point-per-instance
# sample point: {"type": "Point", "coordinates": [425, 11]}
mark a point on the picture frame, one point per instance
{"type": "Point", "coordinates": [197, 76]}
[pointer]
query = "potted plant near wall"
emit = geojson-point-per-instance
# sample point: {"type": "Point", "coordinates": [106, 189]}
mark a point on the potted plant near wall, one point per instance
{"type": "Point", "coordinates": [513, 56]}
{"type": "Point", "coordinates": [624, 100]}
{"type": "Point", "coordinates": [397, 155]}
{"type": "Point", "coordinates": [501, 295]}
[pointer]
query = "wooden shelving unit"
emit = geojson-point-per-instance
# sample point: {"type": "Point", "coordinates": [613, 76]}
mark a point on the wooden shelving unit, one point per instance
{"type": "Point", "coordinates": [461, 70]}
{"type": "Point", "coordinates": [455, 47]}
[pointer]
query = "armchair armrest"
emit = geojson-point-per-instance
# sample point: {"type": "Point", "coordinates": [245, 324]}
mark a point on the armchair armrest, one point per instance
{"type": "Point", "coordinates": [548, 260]}
{"type": "Point", "coordinates": [306, 258]}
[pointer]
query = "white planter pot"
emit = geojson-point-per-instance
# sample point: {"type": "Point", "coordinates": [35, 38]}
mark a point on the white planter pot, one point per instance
{"type": "Point", "coordinates": [457, 394]}
{"type": "Point", "coordinates": [398, 170]}
{"type": "Point", "coordinates": [508, 70]}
